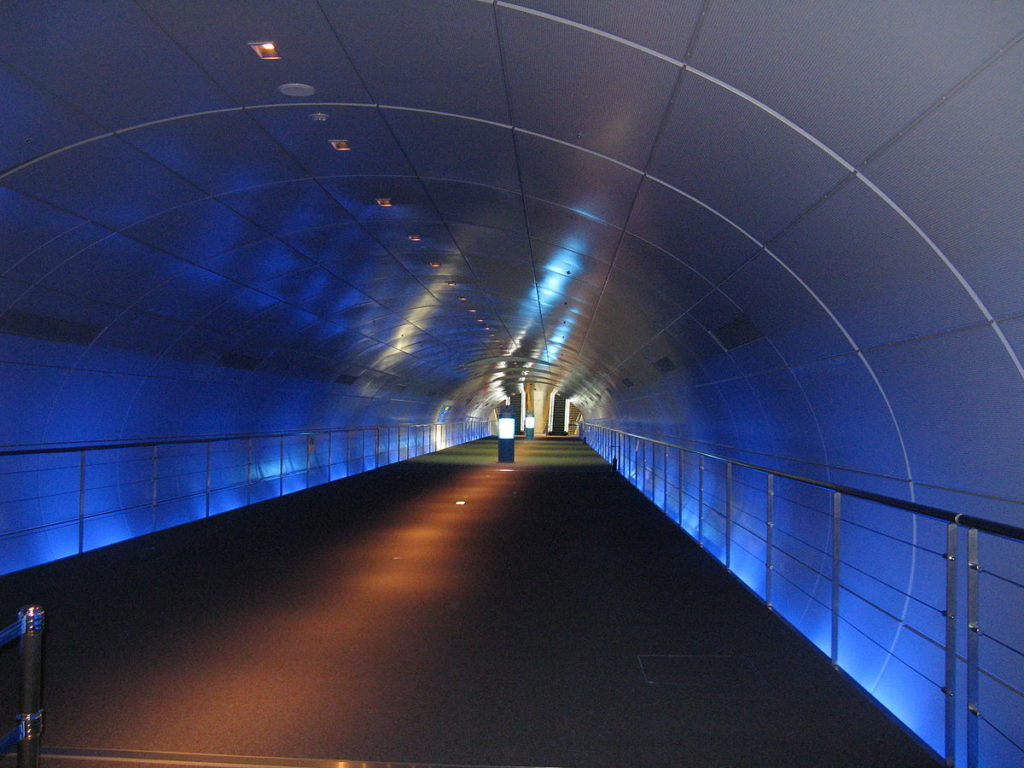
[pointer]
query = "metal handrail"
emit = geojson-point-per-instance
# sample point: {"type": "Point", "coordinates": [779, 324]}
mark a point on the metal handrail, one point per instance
{"type": "Point", "coordinates": [149, 443]}
{"type": "Point", "coordinates": [989, 526]}
{"type": "Point", "coordinates": [965, 704]}
{"type": "Point", "coordinates": [27, 734]}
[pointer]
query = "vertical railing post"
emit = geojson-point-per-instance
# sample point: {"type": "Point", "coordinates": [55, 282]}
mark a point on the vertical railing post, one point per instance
{"type": "Point", "coordinates": [30, 717]}
{"type": "Point", "coordinates": [330, 456]}
{"type": "Point", "coordinates": [728, 514]}
{"type": "Point", "coordinates": [664, 481]}
{"type": "Point", "coordinates": [81, 502]}
{"type": "Point", "coordinates": [310, 447]}
{"type": "Point", "coordinates": [973, 635]}
{"type": "Point", "coordinates": [950, 612]}
{"type": "Point", "coordinates": [769, 561]}
{"type": "Point", "coordinates": [700, 501]}
{"type": "Point", "coordinates": [209, 477]}
{"type": "Point", "coordinates": [376, 447]}
{"type": "Point", "coordinates": [836, 522]}
{"type": "Point", "coordinates": [280, 466]}
{"type": "Point", "coordinates": [682, 485]}
{"type": "Point", "coordinates": [248, 471]}
{"type": "Point", "coordinates": [153, 489]}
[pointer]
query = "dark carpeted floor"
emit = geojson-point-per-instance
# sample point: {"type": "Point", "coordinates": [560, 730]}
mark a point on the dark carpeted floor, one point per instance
{"type": "Point", "coordinates": [554, 619]}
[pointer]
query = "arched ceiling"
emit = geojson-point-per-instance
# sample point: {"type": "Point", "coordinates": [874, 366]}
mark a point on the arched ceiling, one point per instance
{"type": "Point", "coordinates": [620, 197]}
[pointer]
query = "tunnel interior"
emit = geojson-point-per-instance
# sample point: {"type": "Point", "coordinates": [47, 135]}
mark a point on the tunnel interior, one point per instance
{"type": "Point", "coordinates": [787, 233]}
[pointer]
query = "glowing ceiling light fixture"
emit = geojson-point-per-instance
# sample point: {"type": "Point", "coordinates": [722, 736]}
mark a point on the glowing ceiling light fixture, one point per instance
{"type": "Point", "coordinates": [451, 283]}
{"type": "Point", "coordinates": [460, 503]}
{"type": "Point", "coordinates": [463, 298]}
{"type": "Point", "coordinates": [340, 145]}
{"type": "Point", "coordinates": [265, 49]}
{"type": "Point", "coordinates": [383, 202]}
{"type": "Point", "coordinates": [415, 238]}
{"type": "Point", "coordinates": [434, 264]}
{"type": "Point", "coordinates": [472, 310]}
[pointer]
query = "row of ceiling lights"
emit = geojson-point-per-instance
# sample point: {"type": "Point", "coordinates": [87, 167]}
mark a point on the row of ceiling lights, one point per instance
{"type": "Point", "coordinates": [267, 50]}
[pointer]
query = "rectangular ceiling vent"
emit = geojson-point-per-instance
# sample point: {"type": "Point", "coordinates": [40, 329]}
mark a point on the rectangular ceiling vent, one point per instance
{"type": "Point", "coordinates": [346, 378]}
{"type": "Point", "coordinates": [737, 332]}
{"type": "Point", "coordinates": [665, 365]}
{"type": "Point", "coordinates": [239, 361]}
{"type": "Point", "coordinates": [18, 323]}
{"type": "Point", "coordinates": [627, 383]}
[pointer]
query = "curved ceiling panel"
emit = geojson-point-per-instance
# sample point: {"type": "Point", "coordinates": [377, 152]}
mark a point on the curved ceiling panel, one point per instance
{"type": "Point", "coordinates": [758, 226]}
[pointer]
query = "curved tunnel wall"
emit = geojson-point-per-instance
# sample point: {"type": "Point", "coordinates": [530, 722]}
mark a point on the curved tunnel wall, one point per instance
{"type": "Point", "coordinates": [786, 231]}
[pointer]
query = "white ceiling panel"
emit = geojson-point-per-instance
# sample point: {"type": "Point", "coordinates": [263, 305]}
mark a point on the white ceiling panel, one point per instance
{"type": "Point", "coordinates": [617, 95]}
{"type": "Point", "coordinates": [852, 74]}
{"type": "Point", "coordinates": [408, 199]}
{"type": "Point", "coordinates": [306, 132]}
{"type": "Point", "coordinates": [663, 25]}
{"type": "Point", "coordinates": [196, 231]}
{"type": "Point", "coordinates": [135, 73]}
{"type": "Point", "coordinates": [581, 181]}
{"type": "Point", "coordinates": [567, 229]}
{"type": "Point", "coordinates": [478, 205]}
{"type": "Point", "coordinates": [699, 238]}
{"type": "Point", "coordinates": [452, 148]}
{"type": "Point", "coordinates": [217, 36]}
{"type": "Point", "coordinates": [220, 152]}
{"type": "Point", "coordinates": [873, 271]}
{"type": "Point", "coordinates": [106, 181]}
{"type": "Point", "coordinates": [429, 54]}
{"type": "Point", "coordinates": [959, 174]}
{"type": "Point", "coordinates": [739, 160]}
{"type": "Point", "coordinates": [291, 206]}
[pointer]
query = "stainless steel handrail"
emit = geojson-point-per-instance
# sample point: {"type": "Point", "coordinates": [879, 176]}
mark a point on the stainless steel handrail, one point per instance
{"type": "Point", "coordinates": [989, 526]}
{"type": "Point", "coordinates": [967, 676]}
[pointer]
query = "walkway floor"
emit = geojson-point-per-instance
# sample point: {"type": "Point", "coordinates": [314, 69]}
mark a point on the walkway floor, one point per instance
{"type": "Point", "coordinates": [555, 618]}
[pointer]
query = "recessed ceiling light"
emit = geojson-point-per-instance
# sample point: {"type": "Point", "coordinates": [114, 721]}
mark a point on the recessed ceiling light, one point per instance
{"type": "Point", "coordinates": [415, 238]}
{"type": "Point", "coordinates": [341, 145]}
{"type": "Point", "coordinates": [451, 283]}
{"type": "Point", "coordinates": [462, 298]}
{"type": "Point", "coordinates": [265, 49]}
{"type": "Point", "coordinates": [472, 310]}
{"type": "Point", "coordinates": [384, 202]}
{"type": "Point", "coordinates": [434, 264]}
{"type": "Point", "coordinates": [297, 90]}
{"type": "Point", "coordinates": [460, 503]}
{"type": "Point", "coordinates": [479, 319]}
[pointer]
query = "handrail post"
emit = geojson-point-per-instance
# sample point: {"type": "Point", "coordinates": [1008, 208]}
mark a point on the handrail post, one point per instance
{"type": "Point", "coordinates": [30, 719]}
{"type": "Point", "coordinates": [376, 446]}
{"type": "Point", "coordinates": [81, 503]}
{"type": "Point", "coordinates": [700, 502]}
{"type": "Point", "coordinates": [836, 521]}
{"type": "Point", "coordinates": [310, 447]}
{"type": "Point", "coordinates": [769, 564]}
{"type": "Point", "coordinates": [248, 472]}
{"type": "Point", "coordinates": [330, 456]}
{"type": "Point", "coordinates": [728, 514]}
{"type": "Point", "coordinates": [950, 614]}
{"type": "Point", "coordinates": [682, 476]}
{"type": "Point", "coordinates": [153, 490]}
{"type": "Point", "coordinates": [973, 635]}
{"type": "Point", "coordinates": [280, 466]}
{"type": "Point", "coordinates": [208, 477]}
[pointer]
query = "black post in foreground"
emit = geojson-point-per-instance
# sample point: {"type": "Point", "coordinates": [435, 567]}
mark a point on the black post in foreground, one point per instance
{"type": "Point", "coordinates": [30, 719]}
